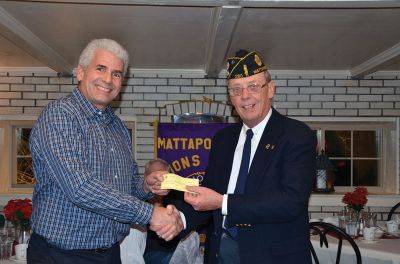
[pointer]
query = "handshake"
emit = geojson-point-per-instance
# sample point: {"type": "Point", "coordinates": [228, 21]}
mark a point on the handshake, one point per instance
{"type": "Point", "coordinates": [166, 222]}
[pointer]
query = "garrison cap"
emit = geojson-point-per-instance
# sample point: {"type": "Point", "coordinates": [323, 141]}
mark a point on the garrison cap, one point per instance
{"type": "Point", "coordinates": [244, 64]}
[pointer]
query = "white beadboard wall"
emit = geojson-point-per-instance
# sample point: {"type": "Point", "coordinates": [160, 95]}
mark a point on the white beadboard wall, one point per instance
{"type": "Point", "coordinates": [145, 95]}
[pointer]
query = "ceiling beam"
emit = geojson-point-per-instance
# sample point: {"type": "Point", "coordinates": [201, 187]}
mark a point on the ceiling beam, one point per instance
{"type": "Point", "coordinates": [22, 37]}
{"type": "Point", "coordinates": [220, 36]}
{"type": "Point", "coordinates": [242, 3]}
{"type": "Point", "coordinates": [321, 3]}
{"type": "Point", "coordinates": [377, 62]}
{"type": "Point", "coordinates": [199, 3]}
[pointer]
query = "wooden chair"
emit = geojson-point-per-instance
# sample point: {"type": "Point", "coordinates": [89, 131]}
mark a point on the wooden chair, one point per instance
{"type": "Point", "coordinates": [392, 211]}
{"type": "Point", "coordinates": [323, 229]}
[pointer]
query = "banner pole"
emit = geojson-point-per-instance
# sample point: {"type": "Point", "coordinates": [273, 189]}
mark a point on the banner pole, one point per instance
{"type": "Point", "coordinates": [155, 125]}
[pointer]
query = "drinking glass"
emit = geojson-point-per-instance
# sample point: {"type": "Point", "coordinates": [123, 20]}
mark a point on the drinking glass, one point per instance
{"type": "Point", "coordinates": [352, 228]}
{"type": "Point", "coordinates": [353, 223]}
{"type": "Point", "coordinates": [1, 248]}
{"type": "Point", "coordinates": [392, 226]}
{"type": "Point", "coordinates": [5, 246]}
{"type": "Point", "coordinates": [369, 233]}
{"type": "Point", "coordinates": [343, 216]}
{"type": "Point", "coordinates": [369, 219]}
{"type": "Point", "coordinates": [396, 218]}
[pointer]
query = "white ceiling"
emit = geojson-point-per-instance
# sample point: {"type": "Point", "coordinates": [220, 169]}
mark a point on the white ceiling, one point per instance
{"type": "Point", "coordinates": [356, 36]}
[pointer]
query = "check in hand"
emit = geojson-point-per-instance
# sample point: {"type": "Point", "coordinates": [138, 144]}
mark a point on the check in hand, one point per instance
{"type": "Point", "coordinates": [152, 183]}
{"type": "Point", "coordinates": [166, 222]}
{"type": "Point", "coordinates": [203, 199]}
{"type": "Point", "coordinates": [176, 182]}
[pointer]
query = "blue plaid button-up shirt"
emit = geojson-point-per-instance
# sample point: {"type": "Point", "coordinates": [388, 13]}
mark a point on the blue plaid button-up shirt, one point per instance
{"type": "Point", "coordinates": [87, 188]}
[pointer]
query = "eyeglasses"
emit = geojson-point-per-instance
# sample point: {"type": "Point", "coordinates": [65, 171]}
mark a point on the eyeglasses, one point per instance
{"type": "Point", "coordinates": [251, 89]}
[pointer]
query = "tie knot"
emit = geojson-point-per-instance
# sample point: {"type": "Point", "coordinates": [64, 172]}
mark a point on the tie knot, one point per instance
{"type": "Point", "coordinates": [249, 133]}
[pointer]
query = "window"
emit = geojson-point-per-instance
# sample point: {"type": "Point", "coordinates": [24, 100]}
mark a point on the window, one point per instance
{"type": "Point", "coordinates": [21, 155]}
{"type": "Point", "coordinates": [363, 152]}
{"type": "Point", "coordinates": [16, 174]}
{"type": "Point", "coordinates": [15, 160]}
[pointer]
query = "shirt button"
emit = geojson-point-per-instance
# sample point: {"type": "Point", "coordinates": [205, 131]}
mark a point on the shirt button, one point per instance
{"type": "Point", "coordinates": [115, 218]}
{"type": "Point", "coordinates": [116, 176]}
{"type": "Point", "coordinates": [137, 223]}
{"type": "Point", "coordinates": [100, 113]}
{"type": "Point", "coordinates": [112, 149]}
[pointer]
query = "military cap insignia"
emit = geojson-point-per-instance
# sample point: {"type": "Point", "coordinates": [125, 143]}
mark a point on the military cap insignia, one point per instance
{"type": "Point", "coordinates": [257, 60]}
{"type": "Point", "coordinates": [246, 72]}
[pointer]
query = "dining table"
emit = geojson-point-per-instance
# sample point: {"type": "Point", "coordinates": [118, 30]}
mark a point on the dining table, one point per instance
{"type": "Point", "coordinates": [385, 250]}
{"type": "Point", "coordinates": [13, 260]}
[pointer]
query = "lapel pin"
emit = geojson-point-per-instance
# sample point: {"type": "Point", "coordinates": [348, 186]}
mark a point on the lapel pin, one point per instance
{"type": "Point", "coordinates": [269, 146]}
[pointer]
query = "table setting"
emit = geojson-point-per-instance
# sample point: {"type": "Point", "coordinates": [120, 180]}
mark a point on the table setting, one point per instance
{"type": "Point", "coordinates": [15, 231]}
{"type": "Point", "coordinates": [376, 245]}
{"type": "Point", "coordinates": [378, 242]}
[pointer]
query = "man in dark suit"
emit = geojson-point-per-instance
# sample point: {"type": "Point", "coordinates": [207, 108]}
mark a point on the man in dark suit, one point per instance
{"type": "Point", "coordinates": [265, 219]}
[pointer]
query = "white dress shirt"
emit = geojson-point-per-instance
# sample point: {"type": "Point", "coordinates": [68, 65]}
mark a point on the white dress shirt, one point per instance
{"type": "Point", "coordinates": [237, 158]}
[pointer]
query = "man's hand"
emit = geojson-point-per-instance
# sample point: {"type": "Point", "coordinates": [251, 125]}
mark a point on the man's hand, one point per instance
{"type": "Point", "coordinates": [152, 183]}
{"type": "Point", "coordinates": [203, 199]}
{"type": "Point", "coordinates": [166, 222]}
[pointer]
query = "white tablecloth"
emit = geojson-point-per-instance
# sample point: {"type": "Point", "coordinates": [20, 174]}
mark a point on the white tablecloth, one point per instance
{"type": "Point", "coordinates": [384, 251]}
{"type": "Point", "coordinates": [133, 246]}
{"type": "Point", "coordinates": [12, 262]}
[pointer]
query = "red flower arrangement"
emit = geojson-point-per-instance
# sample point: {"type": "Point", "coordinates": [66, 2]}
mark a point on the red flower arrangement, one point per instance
{"type": "Point", "coordinates": [356, 199]}
{"type": "Point", "coordinates": [19, 211]}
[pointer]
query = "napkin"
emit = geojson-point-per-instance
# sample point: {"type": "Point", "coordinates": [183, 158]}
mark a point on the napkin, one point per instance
{"type": "Point", "coordinates": [176, 182]}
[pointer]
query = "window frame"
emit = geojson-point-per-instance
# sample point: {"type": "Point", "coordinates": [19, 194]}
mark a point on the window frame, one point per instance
{"type": "Point", "coordinates": [13, 125]}
{"type": "Point", "coordinates": [389, 167]}
{"type": "Point", "coordinates": [7, 122]}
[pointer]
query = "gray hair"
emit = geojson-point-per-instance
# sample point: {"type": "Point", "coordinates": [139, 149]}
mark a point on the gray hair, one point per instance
{"type": "Point", "coordinates": [105, 44]}
{"type": "Point", "coordinates": [151, 162]}
{"type": "Point", "coordinates": [268, 76]}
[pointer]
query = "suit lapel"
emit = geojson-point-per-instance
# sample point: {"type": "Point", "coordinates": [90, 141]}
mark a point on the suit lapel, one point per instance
{"type": "Point", "coordinates": [267, 146]}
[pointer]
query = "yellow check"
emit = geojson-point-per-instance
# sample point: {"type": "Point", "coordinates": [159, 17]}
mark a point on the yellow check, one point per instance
{"type": "Point", "coordinates": [176, 182]}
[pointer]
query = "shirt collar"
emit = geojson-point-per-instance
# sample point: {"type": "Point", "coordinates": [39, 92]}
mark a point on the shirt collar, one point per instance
{"type": "Point", "coordinates": [106, 115]}
{"type": "Point", "coordinates": [258, 129]}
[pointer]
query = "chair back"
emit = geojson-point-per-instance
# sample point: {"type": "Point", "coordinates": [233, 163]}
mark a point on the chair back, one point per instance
{"type": "Point", "coordinates": [323, 229]}
{"type": "Point", "coordinates": [392, 211]}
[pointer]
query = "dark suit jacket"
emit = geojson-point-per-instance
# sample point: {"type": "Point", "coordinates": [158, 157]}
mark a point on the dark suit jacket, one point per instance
{"type": "Point", "coordinates": [272, 214]}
